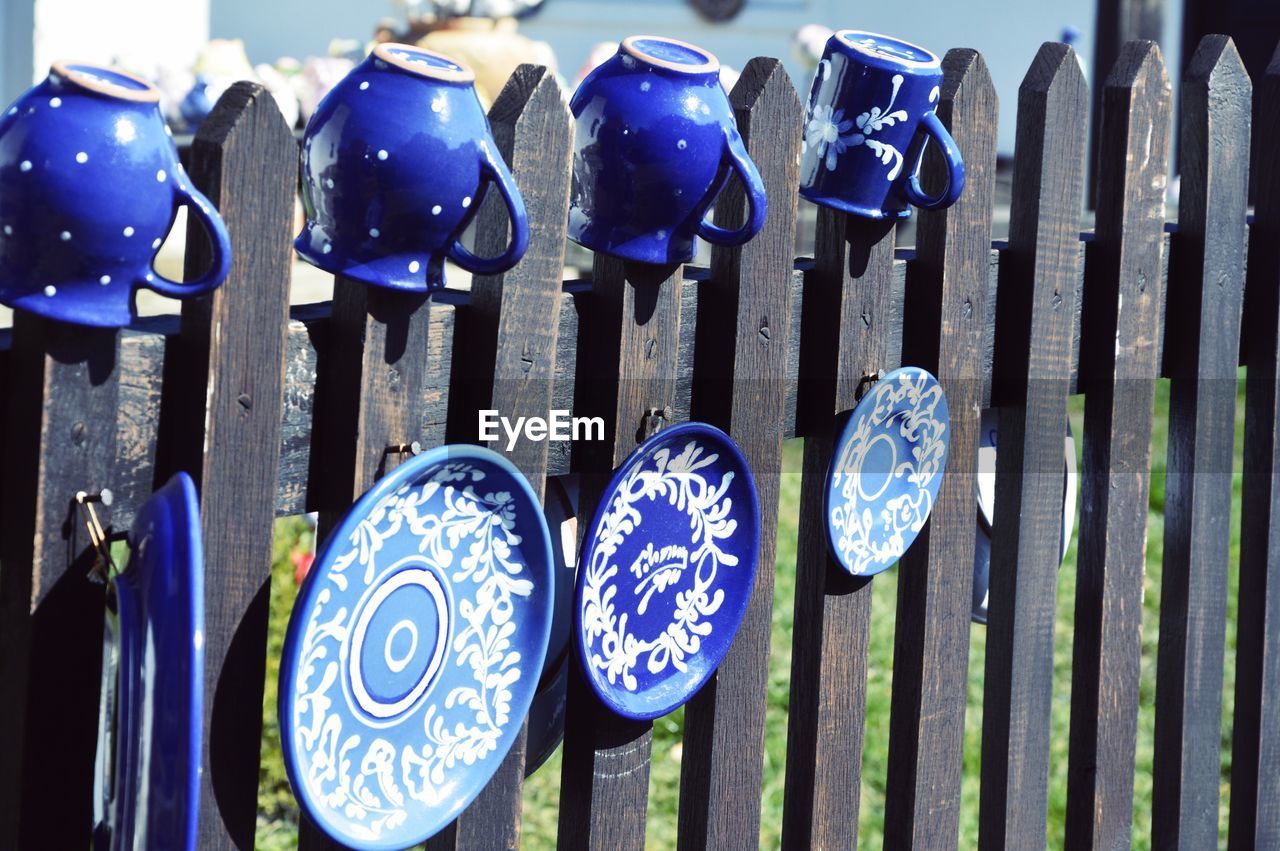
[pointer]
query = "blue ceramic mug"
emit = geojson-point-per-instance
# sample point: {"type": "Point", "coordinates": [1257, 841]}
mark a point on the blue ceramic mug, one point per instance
{"type": "Point", "coordinates": [656, 141]}
{"type": "Point", "coordinates": [395, 162]}
{"type": "Point", "coordinates": [871, 111]}
{"type": "Point", "coordinates": [89, 186]}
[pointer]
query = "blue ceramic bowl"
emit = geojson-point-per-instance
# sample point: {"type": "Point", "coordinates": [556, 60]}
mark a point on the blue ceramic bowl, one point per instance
{"type": "Point", "coordinates": [667, 569]}
{"type": "Point", "coordinates": [89, 186]}
{"type": "Point", "coordinates": [871, 110]}
{"type": "Point", "coordinates": [395, 162]}
{"type": "Point", "coordinates": [656, 141]}
{"type": "Point", "coordinates": [147, 791]}
{"type": "Point", "coordinates": [415, 646]}
{"type": "Point", "coordinates": [885, 471]}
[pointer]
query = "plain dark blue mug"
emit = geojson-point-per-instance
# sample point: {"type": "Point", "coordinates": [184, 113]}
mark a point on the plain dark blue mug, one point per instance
{"type": "Point", "coordinates": [656, 141]}
{"type": "Point", "coordinates": [395, 162]}
{"type": "Point", "coordinates": [871, 113]}
{"type": "Point", "coordinates": [90, 184]}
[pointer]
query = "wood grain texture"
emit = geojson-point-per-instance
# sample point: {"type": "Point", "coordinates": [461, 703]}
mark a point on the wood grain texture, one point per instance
{"type": "Point", "coordinates": [1255, 751]}
{"type": "Point", "coordinates": [509, 334]}
{"type": "Point", "coordinates": [628, 358]}
{"type": "Point", "coordinates": [60, 438]}
{"type": "Point", "coordinates": [946, 295]}
{"type": "Point", "coordinates": [739, 385]}
{"type": "Point", "coordinates": [220, 422]}
{"type": "Point", "coordinates": [845, 343]}
{"type": "Point", "coordinates": [1120, 324]}
{"type": "Point", "coordinates": [1205, 292]}
{"type": "Point", "coordinates": [1031, 370]}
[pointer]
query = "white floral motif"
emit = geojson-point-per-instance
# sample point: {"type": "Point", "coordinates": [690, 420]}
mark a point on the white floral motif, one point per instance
{"type": "Point", "coordinates": [866, 540]}
{"type": "Point", "coordinates": [828, 134]}
{"type": "Point", "coordinates": [676, 478]}
{"type": "Point", "coordinates": [369, 783]}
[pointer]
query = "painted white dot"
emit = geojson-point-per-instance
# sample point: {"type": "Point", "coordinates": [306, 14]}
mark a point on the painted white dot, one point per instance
{"type": "Point", "coordinates": [662, 234]}
{"type": "Point", "coordinates": [55, 102]}
{"type": "Point", "coordinates": [8, 230]}
{"type": "Point", "coordinates": [128, 231]}
{"type": "Point", "coordinates": [157, 242]}
{"type": "Point", "coordinates": [466, 202]}
{"type": "Point", "coordinates": [437, 105]}
{"type": "Point", "coordinates": [380, 63]}
{"type": "Point", "coordinates": [382, 155]}
{"type": "Point", "coordinates": [162, 176]}
{"type": "Point", "coordinates": [327, 248]}
{"type": "Point", "coordinates": [51, 291]}
{"type": "Point", "coordinates": [626, 131]}
{"type": "Point", "coordinates": [13, 110]}
{"type": "Point", "coordinates": [375, 233]}
{"type": "Point", "coordinates": [82, 158]}
{"type": "Point", "coordinates": [436, 210]}
{"type": "Point", "coordinates": [150, 277]}
{"type": "Point", "coordinates": [645, 86]}
{"type": "Point", "coordinates": [682, 144]}
{"type": "Point", "coordinates": [328, 182]}
{"type": "Point", "coordinates": [104, 280]}
{"type": "Point", "coordinates": [414, 266]}
{"type": "Point", "coordinates": [364, 86]}
{"type": "Point", "coordinates": [65, 236]}
{"type": "Point", "coordinates": [25, 165]}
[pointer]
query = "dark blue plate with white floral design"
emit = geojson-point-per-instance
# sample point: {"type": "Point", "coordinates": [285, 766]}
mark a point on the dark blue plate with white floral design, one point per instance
{"type": "Point", "coordinates": [415, 648]}
{"type": "Point", "coordinates": [151, 710]}
{"type": "Point", "coordinates": [885, 471]}
{"type": "Point", "coordinates": [667, 569]}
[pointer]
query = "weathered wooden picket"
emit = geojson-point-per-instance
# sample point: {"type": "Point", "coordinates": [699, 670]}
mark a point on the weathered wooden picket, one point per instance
{"type": "Point", "coordinates": [277, 412]}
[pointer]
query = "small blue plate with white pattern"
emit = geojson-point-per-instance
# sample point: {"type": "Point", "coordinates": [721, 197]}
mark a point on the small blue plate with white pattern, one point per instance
{"type": "Point", "coordinates": [885, 471]}
{"type": "Point", "coordinates": [667, 569]}
{"type": "Point", "coordinates": [415, 647]}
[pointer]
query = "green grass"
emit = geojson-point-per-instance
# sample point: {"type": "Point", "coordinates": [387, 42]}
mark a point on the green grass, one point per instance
{"type": "Point", "coordinates": [278, 814]}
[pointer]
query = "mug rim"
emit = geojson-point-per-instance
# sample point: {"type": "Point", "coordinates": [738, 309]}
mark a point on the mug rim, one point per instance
{"type": "Point", "coordinates": [459, 73]}
{"type": "Point", "coordinates": [709, 64]}
{"type": "Point", "coordinates": [69, 71]}
{"type": "Point", "coordinates": [842, 37]}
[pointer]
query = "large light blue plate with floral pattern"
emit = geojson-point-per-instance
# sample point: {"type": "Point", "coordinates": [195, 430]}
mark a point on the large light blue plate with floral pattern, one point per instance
{"type": "Point", "coordinates": [667, 569]}
{"type": "Point", "coordinates": [885, 471]}
{"type": "Point", "coordinates": [415, 648]}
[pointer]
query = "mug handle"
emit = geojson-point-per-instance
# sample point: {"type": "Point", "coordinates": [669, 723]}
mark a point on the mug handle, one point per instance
{"type": "Point", "coordinates": [931, 127]}
{"type": "Point", "coordinates": [494, 170]}
{"type": "Point", "coordinates": [220, 264]}
{"type": "Point", "coordinates": [757, 201]}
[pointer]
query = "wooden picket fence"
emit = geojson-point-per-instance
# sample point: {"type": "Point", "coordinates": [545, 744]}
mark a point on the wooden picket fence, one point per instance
{"type": "Point", "coordinates": [277, 411]}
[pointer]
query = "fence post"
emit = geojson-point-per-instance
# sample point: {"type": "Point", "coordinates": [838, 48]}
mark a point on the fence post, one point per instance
{"type": "Point", "coordinates": [60, 439]}
{"type": "Point", "coordinates": [1118, 367]}
{"type": "Point", "coordinates": [510, 330]}
{"type": "Point", "coordinates": [220, 421]}
{"type": "Point", "coordinates": [1031, 368]}
{"type": "Point", "coordinates": [943, 332]}
{"type": "Point", "coordinates": [1255, 752]}
{"type": "Point", "coordinates": [628, 362]}
{"type": "Point", "coordinates": [740, 362]}
{"type": "Point", "coordinates": [1202, 356]}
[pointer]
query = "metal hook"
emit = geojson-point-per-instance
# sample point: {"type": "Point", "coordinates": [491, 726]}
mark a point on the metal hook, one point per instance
{"type": "Point", "coordinates": [653, 421]}
{"type": "Point", "coordinates": [865, 384]}
{"type": "Point", "coordinates": [104, 567]}
{"type": "Point", "coordinates": [414, 448]}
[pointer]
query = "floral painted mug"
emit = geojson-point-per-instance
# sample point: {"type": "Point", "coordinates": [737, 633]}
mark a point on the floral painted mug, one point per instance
{"type": "Point", "coordinates": [871, 111]}
{"type": "Point", "coordinates": [90, 184]}
{"type": "Point", "coordinates": [656, 141]}
{"type": "Point", "coordinates": [395, 162]}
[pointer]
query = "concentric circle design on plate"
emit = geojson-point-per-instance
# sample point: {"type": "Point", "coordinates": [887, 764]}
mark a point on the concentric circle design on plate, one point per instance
{"type": "Point", "coordinates": [885, 471]}
{"type": "Point", "coordinates": [415, 648]}
{"type": "Point", "coordinates": [667, 569]}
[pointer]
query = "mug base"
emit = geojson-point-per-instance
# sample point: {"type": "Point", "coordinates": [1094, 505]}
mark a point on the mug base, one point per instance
{"type": "Point", "coordinates": [65, 306]}
{"type": "Point", "coordinates": [650, 252]}
{"type": "Point", "coordinates": [394, 272]}
{"type": "Point", "coordinates": [854, 209]}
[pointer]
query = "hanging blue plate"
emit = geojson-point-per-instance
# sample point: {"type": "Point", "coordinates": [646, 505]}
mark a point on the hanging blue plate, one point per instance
{"type": "Point", "coordinates": [667, 569]}
{"type": "Point", "coordinates": [415, 647]}
{"type": "Point", "coordinates": [886, 468]}
{"type": "Point", "coordinates": [147, 781]}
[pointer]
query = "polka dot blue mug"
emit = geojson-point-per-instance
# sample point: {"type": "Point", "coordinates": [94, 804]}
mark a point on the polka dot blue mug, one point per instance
{"type": "Point", "coordinates": [395, 162]}
{"type": "Point", "coordinates": [871, 111]}
{"type": "Point", "coordinates": [656, 141]}
{"type": "Point", "coordinates": [90, 184]}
